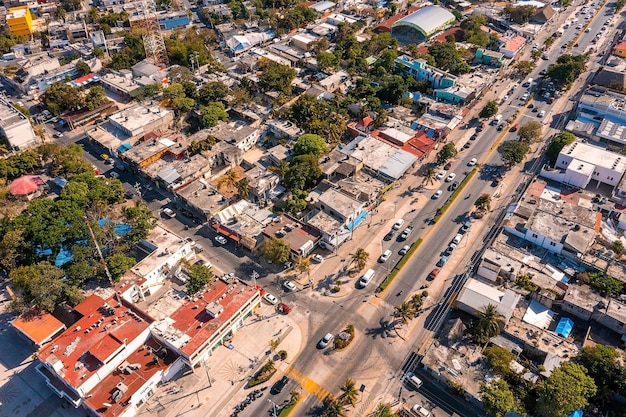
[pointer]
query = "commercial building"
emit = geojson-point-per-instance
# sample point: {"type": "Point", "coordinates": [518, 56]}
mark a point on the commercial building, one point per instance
{"type": "Point", "coordinates": [606, 110]}
{"type": "Point", "coordinates": [422, 24]}
{"type": "Point", "coordinates": [476, 295]}
{"type": "Point", "coordinates": [38, 326]}
{"type": "Point", "coordinates": [301, 238]}
{"type": "Point", "coordinates": [16, 127]}
{"type": "Point", "coordinates": [20, 21]}
{"type": "Point", "coordinates": [420, 70]}
{"type": "Point", "coordinates": [237, 133]}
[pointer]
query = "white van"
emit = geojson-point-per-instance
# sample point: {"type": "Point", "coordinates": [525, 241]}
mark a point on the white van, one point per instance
{"type": "Point", "coordinates": [384, 256]}
{"type": "Point", "coordinates": [366, 278]}
{"type": "Point", "coordinates": [413, 380]}
{"type": "Point", "coordinates": [397, 225]}
{"type": "Point", "coordinates": [420, 411]}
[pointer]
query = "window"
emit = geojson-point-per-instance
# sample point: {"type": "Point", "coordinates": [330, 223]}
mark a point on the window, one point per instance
{"type": "Point", "coordinates": [535, 235]}
{"type": "Point", "coordinates": [552, 244]}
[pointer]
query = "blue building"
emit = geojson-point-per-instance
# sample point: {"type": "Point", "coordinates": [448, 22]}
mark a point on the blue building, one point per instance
{"type": "Point", "coordinates": [420, 70]}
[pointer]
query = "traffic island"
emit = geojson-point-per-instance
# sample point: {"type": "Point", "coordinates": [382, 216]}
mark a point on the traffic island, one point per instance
{"type": "Point", "coordinates": [343, 339]}
{"type": "Point", "coordinates": [263, 374]}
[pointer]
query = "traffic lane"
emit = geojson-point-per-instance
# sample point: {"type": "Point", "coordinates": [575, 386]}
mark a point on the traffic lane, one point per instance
{"type": "Point", "coordinates": [267, 403]}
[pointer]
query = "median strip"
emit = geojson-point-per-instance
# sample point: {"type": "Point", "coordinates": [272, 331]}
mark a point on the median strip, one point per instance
{"type": "Point", "coordinates": [442, 210]}
{"type": "Point", "coordinates": [392, 275]}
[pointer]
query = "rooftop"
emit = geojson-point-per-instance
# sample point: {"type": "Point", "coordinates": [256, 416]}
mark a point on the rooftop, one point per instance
{"type": "Point", "coordinates": [202, 196]}
{"type": "Point", "coordinates": [162, 242]}
{"type": "Point", "coordinates": [429, 19]}
{"type": "Point", "coordinates": [38, 325]}
{"type": "Point", "coordinates": [325, 222]}
{"type": "Point", "coordinates": [148, 149]}
{"type": "Point", "coordinates": [201, 318]}
{"type": "Point", "coordinates": [136, 117]}
{"type": "Point", "coordinates": [343, 204]}
{"type": "Point", "coordinates": [134, 372]}
{"type": "Point", "coordinates": [379, 156]}
{"type": "Point", "coordinates": [477, 295]}
{"type": "Point", "coordinates": [104, 329]}
{"type": "Point", "coordinates": [300, 237]}
{"type": "Point", "coordinates": [233, 132]}
{"type": "Point", "coordinates": [245, 218]}
{"type": "Point", "coordinates": [595, 155]}
{"type": "Point", "coordinates": [9, 115]}
{"type": "Point", "coordinates": [585, 298]}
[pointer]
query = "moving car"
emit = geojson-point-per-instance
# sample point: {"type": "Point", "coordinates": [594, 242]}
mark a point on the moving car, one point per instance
{"type": "Point", "coordinates": [419, 410]}
{"type": "Point", "coordinates": [221, 240]}
{"type": "Point", "coordinates": [279, 385]}
{"type": "Point", "coordinates": [325, 341]}
{"type": "Point", "coordinates": [270, 298]}
{"type": "Point", "coordinates": [168, 212]}
{"type": "Point", "coordinates": [437, 194]}
{"type": "Point", "coordinates": [366, 278]}
{"type": "Point", "coordinates": [451, 177]}
{"type": "Point", "coordinates": [472, 162]}
{"type": "Point", "coordinates": [289, 286]}
{"type": "Point", "coordinates": [453, 186]}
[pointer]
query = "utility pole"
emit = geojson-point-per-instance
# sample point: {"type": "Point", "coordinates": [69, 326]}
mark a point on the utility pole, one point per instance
{"type": "Point", "coordinates": [254, 276]}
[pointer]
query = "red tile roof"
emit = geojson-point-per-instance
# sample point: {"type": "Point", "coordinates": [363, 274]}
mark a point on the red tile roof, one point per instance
{"type": "Point", "coordinates": [419, 145]}
{"type": "Point", "coordinates": [38, 325]}
{"type": "Point", "coordinates": [149, 364]}
{"type": "Point", "coordinates": [192, 319]}
{"type": "Point", "coordinates": [84, 346]}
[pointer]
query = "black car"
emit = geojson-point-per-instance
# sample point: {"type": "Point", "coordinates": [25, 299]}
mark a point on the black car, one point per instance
{"type": "Point", "coordinates": [453, 186]}
{"type": "Point", "coordinates": [129, 194]}
{"type": "Point", "coordinates": [500, 127]}
{"type": "Point", "coordinates": [535, 109]}
{"type": "Point", "coordinates": [279, 385]}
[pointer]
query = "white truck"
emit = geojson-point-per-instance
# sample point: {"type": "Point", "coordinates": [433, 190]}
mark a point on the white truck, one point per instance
{"type": "Point", "coordinates": [496, 120]}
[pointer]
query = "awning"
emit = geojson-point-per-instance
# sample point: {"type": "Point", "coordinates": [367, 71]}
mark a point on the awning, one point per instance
{"type": "Point", "coordinates": [565, 327]}
{"type": "Point", "coordinates": [169, 175]}
{"type": "Point", "coordinates": [359, 219]}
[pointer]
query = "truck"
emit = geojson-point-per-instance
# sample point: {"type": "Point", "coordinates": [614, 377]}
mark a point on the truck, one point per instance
{"type": "Point", "coordinates": [496, 120]}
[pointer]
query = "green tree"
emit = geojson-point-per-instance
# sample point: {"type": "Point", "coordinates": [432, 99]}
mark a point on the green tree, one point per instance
{"type": "Point", "coordinates": [335, 409]}
{"type": "Point", "coordinates": [384, 410]}
{"type": "Point", "coordinates": [82, 69]}
{"type": "Point", "coordinates": [280, 169]}
{"type": "Point", "coordinates": [213, 91]}
{"type": "Point", "coordinates": [327, 61]}
{"type": "Point", "coordinates": [496, 397]}
{"type": "Point", "coordinates": [174, 91]}
{"type": "Point", "coordinates": [98, 52]}
{"type": "Point", "coordinates": [514, 152]}
{"type": "Point", "coordinates": [229, 180]}
{"type": "Point", "coordinates": [567, 389]}
{"type": "Point", "coordinates": [183, 105]}
{"type": "Point", "coordinates": [39, 285]}
{"type": "Point", "coordinates": [179, 74]}
{"type": "Point", "coordinates": [118, 264]}
{"type": "Point", "coordinates": [310, 144]}
{"type": "Point", "coordinates": [191, 91]}
{"type": "Point", "coordinates": [567, 69]}
{"type": "Point", "coordinates": [603, 365]}
{"type": "Point", "coordinates": [96, 97]}
{"type": "Point", "coordinates": [141, 221]}
{"type": "Point", "coordinates": [275, 77]}
{"type": "Point", "coordinates": [499, 360]}
{"type": "Point", "coordinates": [275, 250]}
{"type": "Point", "coordinates": [360, 257]}
{"type": "Point", "coordinates": [304, 171]}
{"type": "Point", "coordinates": [489, 322]}
{"type": "Point", "coordinates": [429, 177]}
{"type": "Point", "coordinates": [483, 203]}
{"type": "Point", "coordinates": [12, 249]}
{"type": "Point", "coordinates": [557, 144]}
{"type": "Point", "coordinates": [523, 68]}
{"type": "Point", "coordinates": [349, 393]}
{"type": "Point", "coordinates": [618, 247]}
{"type": "Point", "coordinates": [446, 152]}
{"type": "Point", "coordinates": [199, 277]}
{"type": "Point", "coordinates": [448, 58]}
{"type": "Point", "coordinates": [490, 110]}
{"type": "Point", "coordinates": [405, 312]}
{"type": "Point", "coordinates": [243, 188]}
{"type": "Point", "coordinates": [61, 97]}
{"type": "Point", "coordinates": [520, 14]}
{"type": "Point", "coordinates": [211, 114]}
{"type": "Point", "coordinates": [303, 264]}
{"type": "Point", "coordinates": [530, 132]}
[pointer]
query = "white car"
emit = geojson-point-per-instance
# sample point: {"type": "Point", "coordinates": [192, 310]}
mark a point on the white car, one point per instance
{"type": "Point", "coordinates": [270, 298]}
{"type": "Point", "coordinates": [384, 256]}
{"type": "Point", "coordinates": [168, 212]}
{"type": "Point", "coordinates": [317, 258]}
{"type": "Point", "coordinates": [289, 286]}
{"type": "Point", "coordinates": [587, 30]}
{"type": "Point", "coordinates": [441, 174]}
{"type": "Point", "coordinates": [221, 240]}
{"type": "Point", "coordinates": [398, 224]}
{"type": "Point", "coordinates": [191, 241]}
{"type": "Point", "coordinates": [451, 177]}
{"type": "Point", "coordinates": [472, 162]}
{"type": "Point", "coordinates": [541, 113]}
{"type": "Point", "coordinates": [437, 194]}
{"type": "Point", "coordinates": [325, 341]}
{"type": "Point", "coordinates": [457, 238]}
{"type": "Point", "coordinates": [404, 249]}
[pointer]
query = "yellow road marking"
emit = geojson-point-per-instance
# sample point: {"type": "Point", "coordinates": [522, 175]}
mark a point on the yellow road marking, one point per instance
{"type": "Point", "coordinates": [307, 384]}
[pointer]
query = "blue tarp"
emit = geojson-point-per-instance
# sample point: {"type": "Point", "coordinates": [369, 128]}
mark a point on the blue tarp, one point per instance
{"type": "Point", "coordinates": [103, 222]}
{"type": "Point", "coordinates": [577, 413]}
{"type": "Point", "coordinates": [565, 326]}
{"type": "Point", "coordinates": [122, 229]}
{"type": "Point", "coordinates": [124, 147]}
{"type": "Point", "coordinates": [354, 223]}
{"type": "Point", "coordinates": [64, 256]}
{"type": "Point", "coordinates": [43, 251]}
{"type": "Point", "coordinates": [61, 182]}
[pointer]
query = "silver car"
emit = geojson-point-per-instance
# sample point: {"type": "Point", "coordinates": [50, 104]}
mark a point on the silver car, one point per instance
{"type": "Point", "coordinates": [289, 286]}
{"type": "Point", "coordinates": [325, 341]}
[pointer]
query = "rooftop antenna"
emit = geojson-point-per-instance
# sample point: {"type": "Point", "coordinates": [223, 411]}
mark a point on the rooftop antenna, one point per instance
{"type": "Point", "coordinates": [104, 264]}
{"type": "Point", "coordinates": [153, 41]}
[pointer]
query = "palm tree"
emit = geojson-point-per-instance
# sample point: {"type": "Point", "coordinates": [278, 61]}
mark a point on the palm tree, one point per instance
{"type": "Point", "coordinates": [404, 312]}
{"type": "Point", "coordinates": [280, 168]}
{"type": "Point", "coordinates": [243, 188]}
{"type": "Point", "coordinates": [483, 203]}
{"type": "Point", "coordinates": [229, 180]}
{"type": "Point", "coordinates": [489, 322]}
{"type": "Point", "coordinates": [349, 393]}
{"type": "Point", "coordinates": [384, 410]}
{"type": "Point", "coordinates": [294, 396]}
{"type": "Point", "coordinates": [274, 343]}
{"type": "Point", "coordinates": [335, 409]}
{"type": "Point", "coordinates": [429, 177]}
{"type": "Point", "coordinates": [360, 258]}
{"type": "Point", "coordinates": [416, 301]}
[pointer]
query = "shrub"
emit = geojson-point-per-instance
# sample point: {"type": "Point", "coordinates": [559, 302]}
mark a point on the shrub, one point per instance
{"type": "Point", "coordinates": [282, 354]}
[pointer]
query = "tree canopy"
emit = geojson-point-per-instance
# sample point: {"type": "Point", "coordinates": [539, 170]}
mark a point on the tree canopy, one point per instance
{"type": "Point", "coordinates": [446, 152]}
{"type": "Point", "coordinates": [489, 110]}
{"type": "Point", "coordinates": [557, 144]}
{"type": "Point", "coordinates": [497, 397]}
{"type": "Point", "coordinates": [275, 250]}
{"type": "Point", "coordinates": [567, 69]}
{"type": "Point", "coordinates": [530, 132]}
{"type": "Point", "coordinates": [567, 389]}
{"type": "Point", "coordinates": [310, 144]}
{"type": "Point", "coordinates": [448, 58]}
{"type": "Point", "coordinates": [275, 77]}
{"type": "Point", "coordinates": [514, 152]}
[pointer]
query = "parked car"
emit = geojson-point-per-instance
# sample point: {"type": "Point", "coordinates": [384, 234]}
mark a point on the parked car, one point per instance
{"type": "Point", "coordinates": [317, 258]}
{"type": "Point", "coordinates": [129, 194]}
{"type": "Point", "coordinates": [472, 162]}
{"type": "Point", "coordinates": [437, 194]}
{"type": "Point", "coordinates": [441, 175]}
{"type": "Point", "coordinates": [448, 165]}
{"type": "Point", "coordinates": [541, 113]}
{"type": "Point", "coordinates": [289, 286]}
{"type": "Point", "coordinates": [450, 249]}
{"type": "Point", "coordinates": [324, 341]}
{"type": "Point", "coordinates": [451, 177]}
{"type": "Point", "coordinates": [385, 256]}
{"type": "Point", "coordinates": [168, 212]}
{"type": "Point", "coordinates": [398, 224]}
{"type": "Point", "coordinates": [221, 240]}
{"type": "Point", "coordinates": [433, 274]}
{"type": "Point", "coordinates": [457, 238]}
{"type": "Point", "coordinates": [270, 298]}
{"type": "Point", "coordinates": [442, 261]}
{"type": "Point", "coordinates": [404, 249]}
{"type": "Point", "coordinates": [406, 232]}
{"type": "Point", "coordinates": [466, 226]}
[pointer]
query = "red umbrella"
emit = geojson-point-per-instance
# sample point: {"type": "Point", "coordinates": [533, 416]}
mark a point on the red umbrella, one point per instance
{"type": "Point", "coordinates": [25, 185]}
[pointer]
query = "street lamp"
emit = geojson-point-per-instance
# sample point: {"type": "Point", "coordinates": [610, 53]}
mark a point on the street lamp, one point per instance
{"type": "Point", "coordinates": [273, 407]}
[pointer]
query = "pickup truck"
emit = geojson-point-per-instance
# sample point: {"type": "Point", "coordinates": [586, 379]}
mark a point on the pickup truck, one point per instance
{"type": "Point", "coordinates": [405, 234]}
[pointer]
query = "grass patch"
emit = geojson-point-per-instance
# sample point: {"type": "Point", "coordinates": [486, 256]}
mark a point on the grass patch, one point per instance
{"type": "Point", "coordinates": [288, 409]}
{"type": "Point", "coordinates": [392, 275]}
{"type": "Point", "coordinates": [263, 374]}
{"type": "Point", "coordinates": [442, 210]}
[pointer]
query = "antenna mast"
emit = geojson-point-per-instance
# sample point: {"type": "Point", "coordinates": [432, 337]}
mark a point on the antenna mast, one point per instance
{"type": "Point", "coordinates": [153, 41]}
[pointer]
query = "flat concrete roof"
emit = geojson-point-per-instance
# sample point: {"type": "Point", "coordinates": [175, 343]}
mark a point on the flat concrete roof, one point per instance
{"type": "Point", "coordinates": [164, 240]}
{"type": "Point", "coordinates": [596, 156]}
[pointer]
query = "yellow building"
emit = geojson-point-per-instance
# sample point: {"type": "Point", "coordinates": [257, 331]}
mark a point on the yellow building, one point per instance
{"type": "Point", "coordinates": [20, 21]}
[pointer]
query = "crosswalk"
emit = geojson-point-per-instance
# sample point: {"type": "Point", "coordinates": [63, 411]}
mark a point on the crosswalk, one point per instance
{"type": "Point", "coordinates": [309, 385]}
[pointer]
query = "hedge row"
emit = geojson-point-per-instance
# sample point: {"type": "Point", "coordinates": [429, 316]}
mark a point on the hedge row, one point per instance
{"type": "Point", "coordinates": [392, 275]}
{"type": "Point", "coordinates": [442, 210]}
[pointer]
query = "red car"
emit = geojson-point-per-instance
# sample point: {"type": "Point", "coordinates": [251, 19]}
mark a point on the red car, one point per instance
{"type": "Point", "coordinates": [480, 127]}
{"type": "Point", "coordinates": [433, 274]}
{"type": "Point", "coordinates": [447, 166]}
{"type": "Point", "coordinates": [514, 127]}
{"type": "Point", "coordinates": [283, 308]}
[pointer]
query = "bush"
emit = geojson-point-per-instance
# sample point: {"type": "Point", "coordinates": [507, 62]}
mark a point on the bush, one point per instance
{"type": "Point", "coordinates": [524, 282]}
{"type": "Point", "coordinates": [339, 343]}
{"type": "Point", "coordinates": [336, 288]}
{"type": "Point", "coordinates": [262, 375]}
{"type": "Point", "coordinates": [424, 294]}
{"type": "Point", "coordinates": [282, 354]}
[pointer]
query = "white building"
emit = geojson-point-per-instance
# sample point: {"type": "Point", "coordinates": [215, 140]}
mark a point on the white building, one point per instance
{"type": "Point", "coordinates": [476, 295]}
{"type": "Point", "coordinates": [580, 163]}
{"type": "Point", "coordinates": [16, 127]}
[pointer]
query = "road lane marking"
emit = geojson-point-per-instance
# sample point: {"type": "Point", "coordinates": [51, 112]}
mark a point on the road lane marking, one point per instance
{"type": "Point", "coordinates": [308, 385]}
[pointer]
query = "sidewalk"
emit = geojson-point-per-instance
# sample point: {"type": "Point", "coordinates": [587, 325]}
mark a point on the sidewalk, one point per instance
{"type": "Point", "coordinates": [229, 368]}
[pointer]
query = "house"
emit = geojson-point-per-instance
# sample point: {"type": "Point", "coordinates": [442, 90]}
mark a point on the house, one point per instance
{"type": "Point", "coordinates": [264, 185]}
{"type": "Point", "coordinates": [242, 222]}
{"type": "Point", "coordinates": [511, 45]}
{"type": "Point", "coordinates": [420, 70]}
{"type": "Point", "coordinates": [301, 237]}
{"type": "Point", "coordinates": [20, 21]}
{"type": "Point", "coordinates": [490, 58]}
{"type": "Point", "coordinates": [620, 49]}
{"type": "Point", "coordinates": [237, 133]}
{"type": "Point", "coordinates": [284, 129]}
{"type": "Point", "coordinates": [38, 326]}
{"type": "Point", "coordinates": [583, 303]}
{"type": "Point", "coordinates": [606, 110]}
{"type": "Point", "coordinates": [201, 324]}
{"type": "Point", "coordinates": [476, 295]}
{"type": "Point", "coordinates": [16, 127]}
{"type": "Point", "coordinates": [544, 14]}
